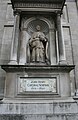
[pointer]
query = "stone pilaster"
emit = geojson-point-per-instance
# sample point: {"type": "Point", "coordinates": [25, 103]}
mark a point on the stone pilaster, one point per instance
{"type": "Point", "coordinates": [14, 47]}
{"type": "Point", "coordinates": [52, 47]}
{"type": "Point", "coordinates": [61, 46]}
{"type": "Point", "coordinates": [23, 45]}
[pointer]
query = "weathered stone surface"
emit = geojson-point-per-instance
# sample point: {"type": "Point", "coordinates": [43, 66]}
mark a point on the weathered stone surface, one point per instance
{"type": "Point", "coordinates": [35, 111]}
{"type": "Point", "coordinates": [4, 41]}
{"type": "Point", "coordinates": [26, 108]}
{"type": "Point", "coordinates": [38, 117]}
{"type": "Point", "coordinates": [65, 108]}
{"type": "Point", "coordinates": [63, 117]}
{"type": "Point", "coordinates": [11, 117]}
{"type": "Point", "coordinates": [74, 34]}
{"type": "Point", "coordinates": [39, 108]}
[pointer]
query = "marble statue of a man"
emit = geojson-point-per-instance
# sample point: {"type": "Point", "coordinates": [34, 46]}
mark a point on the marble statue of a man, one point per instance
{"type": "Point", "coordinates": [37, 44]}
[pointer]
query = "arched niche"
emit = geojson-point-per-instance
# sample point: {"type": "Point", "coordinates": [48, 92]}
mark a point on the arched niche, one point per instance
{"type": "Point", "coordinates": [28, 26]}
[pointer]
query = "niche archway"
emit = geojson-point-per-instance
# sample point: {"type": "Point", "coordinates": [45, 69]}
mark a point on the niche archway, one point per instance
{"type": "Point", "coordinates": [27, 28]}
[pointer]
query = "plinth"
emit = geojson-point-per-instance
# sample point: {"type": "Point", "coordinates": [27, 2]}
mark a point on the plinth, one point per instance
{"type": "Point", "coordinates": [33, 81]}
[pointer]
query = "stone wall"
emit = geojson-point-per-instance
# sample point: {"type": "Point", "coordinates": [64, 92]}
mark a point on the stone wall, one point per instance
{"type": "Point", "coordinates": [30, 109]}
{"type": "Point", "coordinates": [70, 26]}
{"type": "Point", "coordinates": [3, 9]}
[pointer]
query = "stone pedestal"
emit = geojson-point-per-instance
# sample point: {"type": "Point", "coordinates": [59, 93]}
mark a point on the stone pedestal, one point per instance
{"type": "Point", "coordinates": [38, 92]}
{"type": "Point", "coordinates": [33, 81]}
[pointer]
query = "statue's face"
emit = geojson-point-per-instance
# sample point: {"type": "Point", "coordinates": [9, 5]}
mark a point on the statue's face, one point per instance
{"type": "Point", "coordinates": [38, 27]}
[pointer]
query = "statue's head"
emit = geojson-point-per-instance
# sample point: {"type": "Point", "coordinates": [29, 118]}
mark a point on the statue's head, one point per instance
{"type": "Point", "coordinates": [38, 27]}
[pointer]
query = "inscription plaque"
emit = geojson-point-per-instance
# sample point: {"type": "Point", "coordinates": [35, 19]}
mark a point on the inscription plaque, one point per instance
{"type": "Point", "coordinates": [37, 85]}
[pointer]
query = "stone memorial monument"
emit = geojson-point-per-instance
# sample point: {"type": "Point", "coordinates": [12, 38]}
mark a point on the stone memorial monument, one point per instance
{"type": "Point", "coordinates": [37, 75]}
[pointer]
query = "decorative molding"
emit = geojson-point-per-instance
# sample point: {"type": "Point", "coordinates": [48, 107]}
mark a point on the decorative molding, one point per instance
{"type": "Point", "coordinates": [31, 23]}
{"type": "Point", "coordinates": [38, 18]}
{"type": "Point", "coordinates": [37, 5]}
{"type": "Point", "coordinates": [38, 1]}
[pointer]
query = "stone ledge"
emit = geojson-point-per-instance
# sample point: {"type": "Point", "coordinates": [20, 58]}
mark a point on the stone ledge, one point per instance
{"type": "Point", "coordinates": [22, 68]}
{"type": "Point", "coordinates": [38, 100]}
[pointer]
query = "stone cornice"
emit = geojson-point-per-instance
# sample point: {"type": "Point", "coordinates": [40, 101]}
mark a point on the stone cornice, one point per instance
{"type": "Point", "coordinates": [22, 68]}
{"type": "Point", "coordinates": [37, 3]}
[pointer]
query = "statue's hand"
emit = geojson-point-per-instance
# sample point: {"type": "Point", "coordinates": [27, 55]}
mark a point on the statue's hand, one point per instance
{"type": "Point", "coordinates": [46, 39]}
{"type": "Point", "coordinates": [43, 39]}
